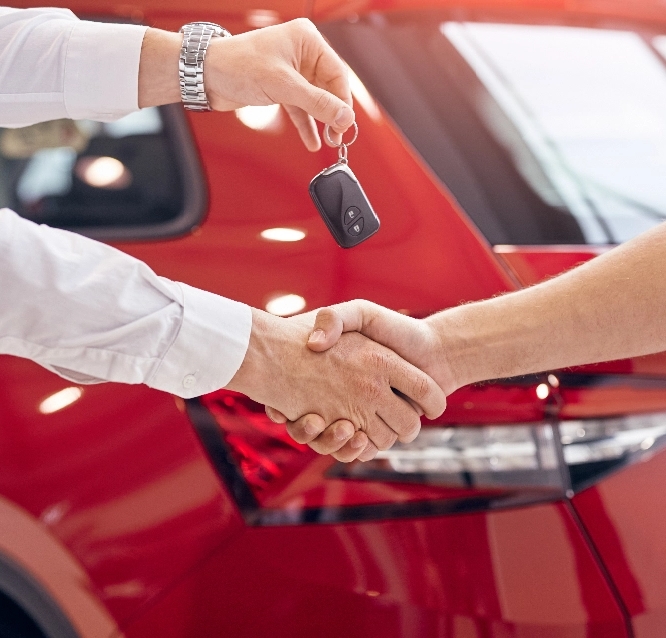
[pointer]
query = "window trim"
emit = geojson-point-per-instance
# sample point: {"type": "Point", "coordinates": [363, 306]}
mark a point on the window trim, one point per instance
{"type": "Point", "coordinates": [195, 192]}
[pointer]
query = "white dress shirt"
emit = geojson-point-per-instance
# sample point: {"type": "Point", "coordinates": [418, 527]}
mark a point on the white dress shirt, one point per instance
{"type": "Point", "coordinates": [80, 308]}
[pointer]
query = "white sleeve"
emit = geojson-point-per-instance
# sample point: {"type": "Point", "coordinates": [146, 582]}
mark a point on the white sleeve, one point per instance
{"type": "Point", "coordinates": [53, 65]}
{"type": "Point", "coordinates": [91, 313]}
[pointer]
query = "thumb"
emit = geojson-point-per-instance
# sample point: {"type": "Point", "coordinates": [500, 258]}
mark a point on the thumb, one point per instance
{"type": "Point", "coordinates": [328, 327]}
{"type": "Point", "coordinates": [320, 104]}
{"type": "Point", "coordinates": [331, 322]}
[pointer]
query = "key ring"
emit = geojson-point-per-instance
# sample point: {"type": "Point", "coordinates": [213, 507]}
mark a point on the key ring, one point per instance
{"type": "Point", "coordinates": [342, 147]}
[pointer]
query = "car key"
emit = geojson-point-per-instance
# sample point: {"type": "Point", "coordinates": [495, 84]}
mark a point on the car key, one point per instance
{"type": "Point", "coordinates": [341, 202]}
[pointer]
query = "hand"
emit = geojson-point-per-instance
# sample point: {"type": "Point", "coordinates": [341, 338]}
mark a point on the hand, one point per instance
{"type": "Point", "coordinates": [352, 381]}
{"type": "Point", "coordinates": [413, 339]}
{"type": "Point", "coordinates": [289, 64]}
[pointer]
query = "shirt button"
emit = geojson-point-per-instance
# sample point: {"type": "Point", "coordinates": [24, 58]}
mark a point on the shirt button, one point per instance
{"type": "Point", "coordinates": [189, 381]}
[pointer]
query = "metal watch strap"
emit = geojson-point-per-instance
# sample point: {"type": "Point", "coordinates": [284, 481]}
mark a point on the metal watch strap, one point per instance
{"type": "Point", "coordinates": [196, 38]}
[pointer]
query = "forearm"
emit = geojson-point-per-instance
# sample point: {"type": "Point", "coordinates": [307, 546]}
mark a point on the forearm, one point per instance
{"type": "Point", "coordinates": [53, 65]}
{"type": "Point", "coordinates": [90, 313]}
{"type": "Point", "coordinates": [609, 308]}
{"type": "Point", "coordinates": [158, 68]}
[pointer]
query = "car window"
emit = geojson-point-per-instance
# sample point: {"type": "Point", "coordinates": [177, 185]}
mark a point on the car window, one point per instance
{"type": "Point", "coordinates": [134, 178]}
{"type": "Point", "coordinates": [546, 134]}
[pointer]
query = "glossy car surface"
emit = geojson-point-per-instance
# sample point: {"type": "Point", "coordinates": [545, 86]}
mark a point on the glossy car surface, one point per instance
{"type": "Point", "coordinates": [128, 512]}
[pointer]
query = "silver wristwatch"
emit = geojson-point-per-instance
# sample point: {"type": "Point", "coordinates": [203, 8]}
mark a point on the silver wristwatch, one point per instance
{"type": "Point", "coordinates": [196, 38]}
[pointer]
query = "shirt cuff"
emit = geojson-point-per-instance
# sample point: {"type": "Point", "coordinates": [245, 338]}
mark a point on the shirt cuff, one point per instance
{"type": "Point", "coordinates": [209, 348]}
{"type": "Point", "coordinates": [102, 70]}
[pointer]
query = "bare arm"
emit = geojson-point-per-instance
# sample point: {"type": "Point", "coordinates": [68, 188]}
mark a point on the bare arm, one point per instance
{"type": "Point", "coordinates": [608, 308]}
{"type": "Point", "coordinates": [289, 64]}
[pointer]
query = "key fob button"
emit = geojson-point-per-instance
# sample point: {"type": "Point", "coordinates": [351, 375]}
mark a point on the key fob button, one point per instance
{"type": "Point", "coordinates": [357, 228]}
{"type": "Point", "coordinates": [351, 215]}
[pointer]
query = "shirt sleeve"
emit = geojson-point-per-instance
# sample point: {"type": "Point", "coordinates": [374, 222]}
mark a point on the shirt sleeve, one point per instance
{"type": "Point", "coordinates": [53, 65]}
{"type": "Point", "coordinates": [91, 313]}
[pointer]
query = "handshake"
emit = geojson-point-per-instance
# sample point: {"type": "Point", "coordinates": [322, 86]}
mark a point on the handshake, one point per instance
{"type": "Point", "coordinates": [352, 394]}
{"type": "Point", "coordinates": [361, 384]}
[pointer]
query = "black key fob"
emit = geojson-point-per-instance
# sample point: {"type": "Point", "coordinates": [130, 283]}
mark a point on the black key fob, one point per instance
{"type": "Point", "coordinates": [343, 205]}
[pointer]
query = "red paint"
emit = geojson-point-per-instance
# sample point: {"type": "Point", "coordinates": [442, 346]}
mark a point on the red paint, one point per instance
{"type": "Point", "coordinates": [525, 572]}
{"type": "Point", "coordinates": [626, 517]}
{"type": "Point", "coordinates": [119, 483]}
{"type": "Point", "coordinates": [532, 264]}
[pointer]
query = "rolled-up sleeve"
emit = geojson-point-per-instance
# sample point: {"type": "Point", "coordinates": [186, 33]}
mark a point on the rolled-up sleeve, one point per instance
{"type": "Point", "coordinates": [53, 65]}
{"type": "Point", "coordinates": [91, 313]}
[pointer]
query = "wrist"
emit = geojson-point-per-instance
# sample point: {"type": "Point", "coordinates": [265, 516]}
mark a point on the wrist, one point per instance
{"type": "Point", "coordinates": [250, 377]}
{"type": "Point", "coordinates": [158, 68]}
{"type": "Point", "coordinates": [270, 370]}
{"type": "Point", "coordinates": [448, 367]}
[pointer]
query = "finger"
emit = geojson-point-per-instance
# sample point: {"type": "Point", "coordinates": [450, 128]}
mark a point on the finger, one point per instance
{"type": "Point", "coordinates": [333, 437]}
{"type": "Point", "coordinates": [275, 415]}
{"type": "Point", "coordinates": [351, 316]}
{"type": "Point", "coordinates": [401, 418]}
{"type": "Point", "coordinates": [379, 433]}
{"type": "Point", "coordinates": [323, 67]}
{"type": "Point", "coordinates": [317, 102]}
{"type": "Point", "coordinates": [350, 450]}
{"type": "Point", "coordinates": [328, 327]}
{"type": "Point", "coordinates": [307, 428]}
{"type": "Point", "coordinates": [305, 126]}
{"type": "Point", "coordinates": [336, 138]}
{"type": "Point", "coordinates": [415, 405]}
{"type": "Point", "coordinates": [418, 386]}
{"type": "Point", "coordinates": [368, 453]}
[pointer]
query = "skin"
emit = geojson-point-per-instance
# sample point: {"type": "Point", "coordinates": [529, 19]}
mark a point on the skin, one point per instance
{"type": "Point", "coordinates": [289, 64]}
{"type": "Point", "coordinates": [608, 308]}
{"type": "Point", "coordinates": [350, 386]}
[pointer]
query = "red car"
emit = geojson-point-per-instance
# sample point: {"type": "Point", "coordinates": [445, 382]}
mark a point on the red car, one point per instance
{"type": "Point", "coordinates": [500, 143]}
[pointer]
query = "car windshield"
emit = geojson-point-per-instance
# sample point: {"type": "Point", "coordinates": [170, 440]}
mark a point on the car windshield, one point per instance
{"type": "Point", "coordinates": [544, 133]}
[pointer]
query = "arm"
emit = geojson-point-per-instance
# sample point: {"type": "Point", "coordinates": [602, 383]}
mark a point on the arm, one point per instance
{"type": "Point", "coordinates": [289, 64]}
{"type": "Point", "coordinates": [91, 313]}
{"type": "Point", "coordinates": [56, 66]}
{"type": "Point", "coordinates": [608, 308]}
{"type": "Point", "coordinates": [176, 338]}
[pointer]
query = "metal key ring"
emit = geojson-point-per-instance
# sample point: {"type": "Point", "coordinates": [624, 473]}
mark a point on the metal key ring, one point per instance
{"type": "Point", "coordinates": [330, 141]}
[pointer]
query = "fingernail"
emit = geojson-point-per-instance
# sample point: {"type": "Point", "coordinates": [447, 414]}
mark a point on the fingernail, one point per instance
{"type": "Point", "coordinates": [316, 336]}
{"type": "Point", "coordinates": [357, 443]}
{"type": "Point", "coordinates": [343, 432]}
{"type": "Point", "coordinates": [310, 428]}
{"type": "Point", "coordinates": [344, 117]}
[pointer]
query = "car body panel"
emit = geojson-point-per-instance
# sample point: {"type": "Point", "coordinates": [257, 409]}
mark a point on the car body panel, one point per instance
{"type": "Point", "coordinates": [628, 533]}
{"type": "Point", "coordinates": [118, 478]}
{"type": "Point", "coordinates": [524, 572]}
{"type": "Point", "coordinates": [427, 256]}
{"type": "Point", "coordinates": [120, 482]}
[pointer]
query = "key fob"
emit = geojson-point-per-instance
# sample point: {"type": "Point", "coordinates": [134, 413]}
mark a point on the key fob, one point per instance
{"type": "Point", "coordinates": [343, 205]}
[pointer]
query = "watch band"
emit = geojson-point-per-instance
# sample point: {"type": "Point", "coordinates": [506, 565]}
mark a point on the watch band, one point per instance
{"type": "Point", "coordinates": [196, 38]}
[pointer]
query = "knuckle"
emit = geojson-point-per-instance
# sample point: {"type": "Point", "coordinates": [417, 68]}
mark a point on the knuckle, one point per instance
{"type": "Point", "coordinates": [385, 439]}
{"type": "Point", "coordinates": [343, 456]}
{"type": "Point", "coordinates": [372, 390]}
{"type": "Point", "coordinates": [298, 435]}
{"type": "Point", "coordinates": [322, 447]}
{"type": "Point", "coordinates": [420, 387]}
{"type": "Point", "coordinates": [322, 102]}
{"type": "Point", "coordinates": [304, 23]}
{"type": "Point", "coordinates": [410, 432]}
{"type": "Point", "coordinates": [378, 360]}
